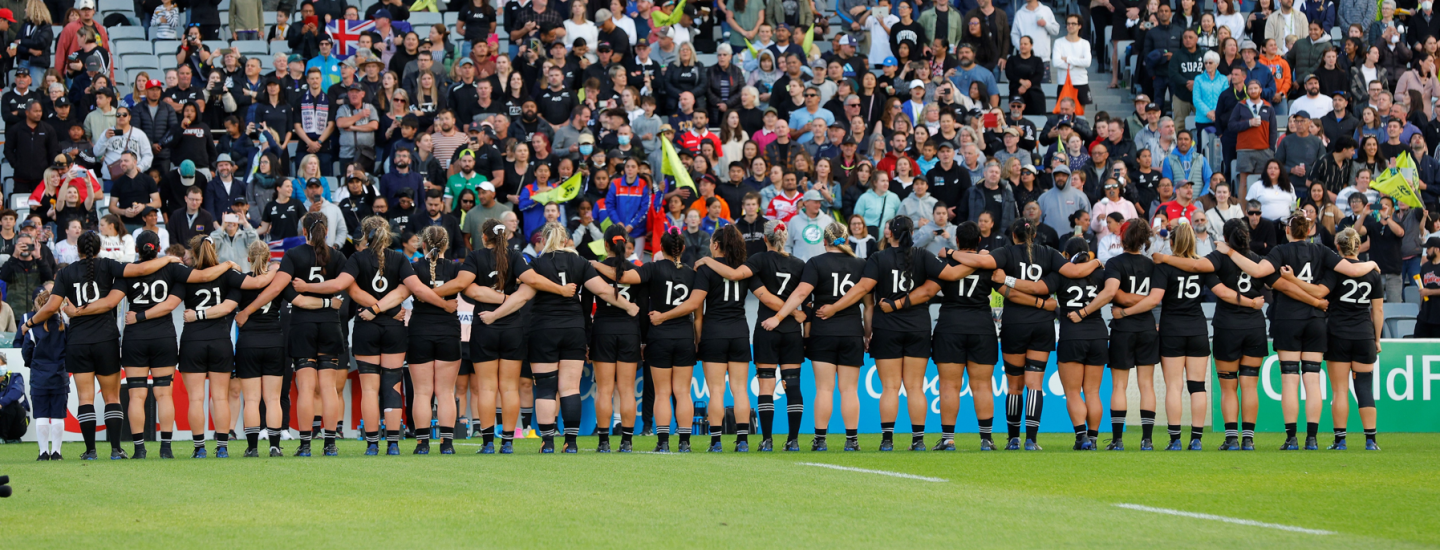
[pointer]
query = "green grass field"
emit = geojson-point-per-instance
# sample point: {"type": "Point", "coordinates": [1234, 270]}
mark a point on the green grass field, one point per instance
{"type": "Point", "coordinates": [1053, 498]}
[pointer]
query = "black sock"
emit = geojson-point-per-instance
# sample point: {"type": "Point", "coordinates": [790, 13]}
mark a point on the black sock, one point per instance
{"type": "Point", "coordinates": [138, 438]}
{"type": "Point", "coordinates": [372, 437]}
{"type": "Point", "coordinates": [820, 432]}
{"type": "Point", "coordinates": [392, 436]}
{"type": "Point", "coordinates": [275, 438]}
{"type": "Point", "coordinates": [1340, 433]}
{"type": "Point", "coordinates": [487, 435]}
{"type": "Point", "coordinates": [198, 440]}
{"type": "Point", "coordinates": [317, 424]}
{"type": "Point", "coordinates": [1196, 432]}
{"type": "Point", "coordinates": [662, 434]}
{"type": "Point", "coordinates": [1290, 429]}
{"type": "Point", "coordinates": [603, 435]}
{"type": "Point", "coordinates": [570, 409]}
{"type": "Point", "coordinates": [685, 434]}
{"type": "Point", "coordinates": [329, 437]}
{"type": "Point", "coordinates": [222, 438]}
{"type": "Point", "coordinates": [1247, 429]}
{"type": "Point", "coordinates": [1174, 431]}
{"type": "Point", "coordinates": [339, 428]}
{"type": "Point", "coordinates": [1312, 429]}
{"type": "Point", "coordinates": [715, 435]}
{"type": "Point", "coordinates": [887, 431]}
{"type": "Point", "coordinates": [1035, 404]}
{"type": "Point", "coordinates": [947, 432]}
{"type": "Point", "coordinates": [306, 436]}
{"type": "Point", "coordinates": [1092, 433]}
{"type": "Point", "coordinates": [917, 433]}
{"type": "Point", "coordinates": [794, 402]}
{"type": "Point", "coordinates": [1147, 424]}
{"type": "Point", "coordinates": [985, 427]}
{"type": "Point", "coordinates": [165, 438]}
{"type": "Point", "coordinates": [742, 432]}
{"type": "Point", "coordinates": [1014, 409]}
{"type": "Point", "coordinates": [526, 415]}
{"type": "Point", "coordinates": [1370, 435]}
{"type": "Point", "coordinates": [447, 434]}
{"type": "Point", "coordinates": [626, 433]}
{"type": "Point", "coordinates": [1079, 431]}
{"type": "Point", "coordinates": [547, 433]}
{"type": "Point", "coordinates": [1117, 424]}
{"type": "Point", "coordinates": [252, 438]}
{"type": "Point", "coordinates": [113, 420]}
{"type": "Point", "coordinates": [852, 436]}
{"type": "Point", "coordinates": [765, 409]}
{"type": "Point", "coordinates": [1232, 429]}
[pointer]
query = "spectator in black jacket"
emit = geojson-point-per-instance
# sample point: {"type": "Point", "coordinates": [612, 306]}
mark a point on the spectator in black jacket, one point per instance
{"type": "Point", "coordinates": [156, 119]}
{"type": "Point", "coordinates": [726, 80]}
{"type": "Point", "coordinates": [15, 98]}
{"type": "Point", "coordinates": [1262, 231]}
{"type": "Point", "coordinates": [205, 13]}
{"type": "Point", "coordinates": [191, 220]}
{"type": "Point", "coordinates": [304, 35]}
{"type": "Point", "coordinates": [435, 214]}
{"type": "Point", "coordinates": [687, 74]}
{"type": "Point", "coordinates": [29, 147]}
{"type": "Point", "coordinates": [193, 141]}
{"type": "Point", "coordinates": [24, 272]}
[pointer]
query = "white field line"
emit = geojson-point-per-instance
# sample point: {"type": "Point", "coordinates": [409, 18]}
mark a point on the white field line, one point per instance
{"type": "Point", "coordinates": [1236, 521]}
{"type": "Point", "coordinates": [877, 472]}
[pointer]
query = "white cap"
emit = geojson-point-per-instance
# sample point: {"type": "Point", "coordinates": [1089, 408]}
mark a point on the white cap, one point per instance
{"type": "Point", "coordinates": [485, 186]}
{"type": "Point", "coordinates": [917, 83]}
{"type": "Point", "coordinates": [85, 5]}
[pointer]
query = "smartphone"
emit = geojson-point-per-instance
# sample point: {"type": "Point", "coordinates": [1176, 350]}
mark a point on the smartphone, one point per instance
{"type": "Point", "coordinates": [991, 120]}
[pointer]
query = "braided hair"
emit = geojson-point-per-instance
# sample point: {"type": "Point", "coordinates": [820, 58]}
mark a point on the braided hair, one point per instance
{"type": "Point", "coordinates": [375, 235]}
{"type": "Point", "coordinates": [615, 239]}
{"type": "Point", "coordinates": [838, 237]}
{"type": "Point", "coordinates": [435, 240]}
{"type": "Point", "coordinates": [730, 243]}
{"type": "Point", "coordinates": [88, 245]}
{"type": "Point", "coordinates": [497, 239]}
{"type": "Point", "coordinates": [902, 229]}
{"type": "Point", "coordinates": [1237, 235]}
{"type": "Point", "coordinates": [672, 244]}
{"type": "Point", "coordinates": [775, 235]}
{"type": "Point", "coordinates": [316, 226]}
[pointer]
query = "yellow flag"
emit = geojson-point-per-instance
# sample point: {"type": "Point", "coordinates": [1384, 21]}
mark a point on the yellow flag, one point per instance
{"type": "Point", "coordinates": [753, 54]}
{"type": "Point", "coordinates": [809, 40]}
{"type": "Point", "coordinates": [670, 165]}
{"type": "Point", "coordinates": [1396, 181]}
{"type": "Point", "coordinates": [564, 192]}
{"type": "Point", "coordinates": [424, 5]}
{"type": "Point", "coordinates": [598, 247]}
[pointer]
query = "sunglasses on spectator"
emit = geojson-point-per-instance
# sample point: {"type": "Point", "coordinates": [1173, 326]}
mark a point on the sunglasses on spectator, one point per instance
{"type": "Point", "coordinates": [1254, 213]}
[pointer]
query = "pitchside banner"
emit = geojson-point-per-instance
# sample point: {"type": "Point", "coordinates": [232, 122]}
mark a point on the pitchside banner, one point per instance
{"type": "Point", "coordinates": [1407, 387]}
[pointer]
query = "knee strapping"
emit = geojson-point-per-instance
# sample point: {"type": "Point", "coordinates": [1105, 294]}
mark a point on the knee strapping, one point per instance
{"type": "Point", "coordinates": [1289, 367]}
{"type": "Point", "coordinates": [1014, 370]}
{"type": "Point", "coordinates": [164, 381]}
{"type": "Point", "coordinates": [1195, 386]}
{"type": "Point", "coordinates": [307, 363]}
{"type": "Point", "coordinates": [547, 385]}
{"type": "Point", "coordinates": [1364, 389]}
{"type": "Point", "coordinates": [390, 398]}
{"type": "Point", "coordinates": [768, 374]}
{"type": "Point", "coordinates": [1309, 367]}
{"type": "Point", "coordinates": [1226, 375]}
{"type": "Point", "coordinates": [136, 382]}
{"type": "Point", "coordinates": [1035, 365]}
{"type": "Point", "coordinates": [366, 367]}
{"type": "Point", "coordinates": [328, 362]}
{"type": "Point", "coordinates": [1250, 372]}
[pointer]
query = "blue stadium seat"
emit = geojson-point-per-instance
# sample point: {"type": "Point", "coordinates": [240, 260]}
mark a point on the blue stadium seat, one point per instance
{"type": "Point", "coordinates": [145, 61]}
{"type": "Point", "coordinates": [251, 47]}
{"type": "Point", "coordinates": [118, 34]}
{"type": "Point", "coordinates": [124, 47]}
{"type": "Point", "coordinates": [166, 47]}
{"type": "Point", "coordinates": [425, 18]}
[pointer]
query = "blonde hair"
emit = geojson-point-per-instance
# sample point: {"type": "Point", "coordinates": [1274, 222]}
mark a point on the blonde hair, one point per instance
{"type": "Point", "coordinates": [1182, 241]}
{"type": "Point", "coordinates": [305, 161]}
{"type": "Point", "coordinates": [556, 239]}
{"type": "Point", "coordinates": [836, 233]}
{"type": "Point", "coordinates": [375, 235]}
{"type": "Point", "coordinates": [203, 250]}
{"type": "Point", "coordinates": [436, 241]}
{"type": "Point", "coordinates": [1348, 242]}
{"type": "Point", "coordinates": [37, 12]}
{"type": "Point", "coordinates": [259, 256]}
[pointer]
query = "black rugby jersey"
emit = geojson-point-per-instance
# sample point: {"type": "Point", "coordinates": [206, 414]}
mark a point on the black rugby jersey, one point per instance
{"type": "Point", "coordinates": [481, 263]}
{"type": "Point", "coordinates": [833, 274]}
{"type": "Point", "coordinates": [1349, 313]}
{"type": "Point", "coordinates": [262, 329]}
{"type": "Point", "coordinates": [73, 283]}
{"type": "Point", "coordinates": [724, 305]}
{"type": "Point", "coordinates": [1040, 263]}
{"type": "Point", "coordinates": [1311, 263]}
{"type": "Point", "coordinates": [1180, 311]}
{"type": "Point", "coordinates": [894, 280]}
{"type": "Point", "coordinates": [613, 320]}
{"type": "Point", "coordinates": [1229, 316]}
{"type": "Point", "coordinates": [364, 266]}
{"type": "Point", "coordinates": [203, 296]}
{"type": "Point", "coordinates": [424, 315]}
{"type": "Point", "coordinates": [779, 274]}
{"type": "Point", "coordinates": [553, 311]}
{"type": "Point", "coordinates": [145, 292]}
{"type": "Point", "coordinates": [1136, 275]}
{"type": "Point", "coordinates": [301, 262]}
{"type": "Point", "coordinates": [1074, 295]}
{"type": "Point", "coordinates": [669, 287]}
{"type": "Point", "coordinates": [965, 304]}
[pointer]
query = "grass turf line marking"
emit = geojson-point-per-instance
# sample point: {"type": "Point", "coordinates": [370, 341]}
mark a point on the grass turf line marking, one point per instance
{"type": "Point", "coordinates": [877, 472]}
{"type": "Point", "coordinates": [1236, 521]}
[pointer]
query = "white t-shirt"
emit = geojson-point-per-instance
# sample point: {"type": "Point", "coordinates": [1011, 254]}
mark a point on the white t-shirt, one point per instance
{"type": "Point", "coordinates": [879, 39]}
{"type": "Point", "coordinates": [1274, 202]}
{"type": "Point", "coordinates": [1316, 107]}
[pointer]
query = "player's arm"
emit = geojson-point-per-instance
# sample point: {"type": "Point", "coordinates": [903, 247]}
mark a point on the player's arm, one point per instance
{"type": "Point", "coordinates": [1318, 291]}
{"type": "Point", "coordinates": [141, 269]}
{"type": "Point", "coordinates": [509, 305]}
{"type": "Point", "coordinates": [1145, 304]}
{"type": "Point", "coordinates": [775, 303]}
{"type": "Point", "coordinates": [163, 308]}
{"type": "Point", "coordinates": [332, 286]}
{"type": "Point", "coordinates": [602, 290]}
{"type": "Point", "coordinates": [690, 304]}
{"type": "Point", "coordinates": [725, 271]}
{"type": "Point", "coordinates": [802, 291]}
{"type": "Point", "coordinates": [1192, 265]}
{"type": "Point", "coordinates": [860, 290]}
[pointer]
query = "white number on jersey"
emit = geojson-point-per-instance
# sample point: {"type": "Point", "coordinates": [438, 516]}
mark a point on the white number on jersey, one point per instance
{"type": "Point", "coordinates": [900, 282]}
{"type": "Point", "coordinates": [1141, 287]}
{"type": "Point", "coordinates": [728, 296]}
{"type": "Point", "coordinates": [1030, 272]}
{"type": "Point", "coordinates": [1243, 283]}
{"type": "Point", "coordinates": [209, 297]}
{"type": "Point", "coordinates": [1080, 296]}
{"type": "Point", "coordinates": [87, 292]}
{"type": "Point", "coordinates": [1188, 287]}
{"type": "Point", "coordinates": [152, 293]}
{"type": "Point", "coordinates": [784, 281]}
{"type": "Point", "coordinates": [962, 289]}
{"type": "Point", "coordinates": [1358, 293]}
{"type": "Point", "coordinates": [671, 297]}
{"type": "Point", "coordinates": [838, 286]}
{"type": "Point", "coordinates": [315, 275]}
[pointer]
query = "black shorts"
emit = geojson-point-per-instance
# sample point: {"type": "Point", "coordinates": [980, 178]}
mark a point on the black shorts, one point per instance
{"type": "Point", "coordinates": [1022, 337]}
{"type": "Point", "coordinates": [1232, 345]}
{"type": "Point", "coordinates": [1302, 335]}
{"type": "Point", "coordinates": [1082, 92]}
{"type": "Point", "coordinates": [99, 358]}
{"type": "Point", "coordinates": [895, 344]}
{"type": "Point", "coordinates": [467, 367]}
{"type": "Point", "coordinates": [203, 356]}
{"type": "Point", "coordinates": [724, 350]}
{"type": "Point", "coordinates": [369, 339]}
{"type": "Point", "coordinates": [615, 348]}
{"type": "Point", "coordinates": [153, 353]}
{"type": "Point", "coordinates": [1086, 352]}
{"type": "Point", "coordinates": [778, 348]}
{"type": "Point", "coordinates": [492, 344]}
{"type": "Point", "coordinates": [1345, 350]}
{"type": "Point", "coordinates": [846, 351]}
{"type": "Point", "coordinates": [1129, 349]}
{"type": "Point", "coordinates": [1184, 346]}
{"type": "Point", "coordinates": [257, 362]}
{"type": "Point", "coordinates": [309, 340]}
{"type": "Point", "coordinates": [555, 345]}
{"type": "Point", "coordinates": [966, 348]}
{"type": "Point", "coordinates": [424, 348]}
{"type": "Point", "coordinates": [665, 353]}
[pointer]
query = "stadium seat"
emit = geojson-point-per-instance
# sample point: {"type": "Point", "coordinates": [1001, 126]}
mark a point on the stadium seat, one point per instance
{"type": "Point", "coordinates": [216, 45]}
{"type": "Point", "coordinates": [1412, 294]}
{"type": "Point", "coordinates": [1051, 89]}
{"type": "Point", "coordinates": [451, 17]}
{"type": "Point", "coordinates": [126, 47]}
{"type": "Point", "coordinates": [1209, 309]}
{"type": "Point", "coordinates": [1038, 120]}
{"type": "Point", "coordinates": [1394, 310]}
{"type": "Point", "coordinates": [144, 61]}
{"type": "Point", "coordinates": [1398, 327]}
{"type": "Point", "coordinates": [269, 18]}
{"type": "Point", "coordinates": [166, 47]}
{"type": "Point", "coordinates": [425, 18]}
{"type": "Point", "coordinates": [251, 47]}
{"type": "Point", "coordinates": [224, 7]}
{"type": "Point", "coordinates": [279, 46]}
{"type": "Point", "coordinates": [167, 61]}
{"type": "Point", "coordinates": [118, 34]}
{"type": "Point", "coordinates": [131, 74]}
{"type": "Point", "coordinates": [115, 6]}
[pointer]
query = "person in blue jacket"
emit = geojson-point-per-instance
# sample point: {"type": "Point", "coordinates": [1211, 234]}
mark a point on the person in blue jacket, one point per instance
{"type": "Point", "coordinates": [628, 201]}
{"type": "Point", "coordinates": [14, 407]}
{"type": "Point", "coordinates": [43, 349]}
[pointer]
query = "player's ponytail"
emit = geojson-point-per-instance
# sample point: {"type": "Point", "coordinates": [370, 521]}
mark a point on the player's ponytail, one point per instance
{"type": "Point", "coordinates": [375, 235]}
{"type": "Point", "coordinates": [1237, 235]}
{"type": "Point", "coordinates": [775, 236]}
{"type": "Point", "coordinates": [902, 229]}
{"type": "Point", "coordinates": [147, 246]}
{"type": "Point", "coordinates": [1182, 241]}
{"type": "Point", "coordinates": [730, 243]}
{"type": "Point", "coordinates": [436, 241]}
{"type": "Point", "coordinates": [1347, 242]}
{"type": "Point", "coordinates": [615, 240]}
{"type": "Point", "coordinates": [1299, 227]}
{"type": "Point", "coordinates": [316, 226]}
{"type": "Point", "coordinates": [1136, 236]}
{"type": "Point", "coordinates": [837, 237]}
{"type": "Point", "coordinates": [202, 249]}
{"type": "Point", "coordinates": [672, 244]}
{"type": "Point", "coordinates": [497, 235]}
{"type": "Point", "coordinates": [259, 256]}
{"type": "Point", "coordinates": [1022, 231]}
